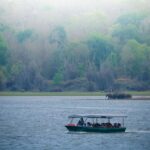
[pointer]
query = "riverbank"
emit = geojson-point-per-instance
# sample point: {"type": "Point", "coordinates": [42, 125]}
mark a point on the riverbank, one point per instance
{"type": "Point", "coordinates": [133, 93]}
{"type": "Point", "coordinates": [52, 94]}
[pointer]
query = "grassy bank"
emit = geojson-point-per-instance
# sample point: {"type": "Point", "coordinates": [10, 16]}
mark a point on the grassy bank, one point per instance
{"type": "Point", "coordinates": [52, 93]}
{"type": "Point", "coordinates": [139, 93]}
{"type": "Point", "coordinates": [134, 93]}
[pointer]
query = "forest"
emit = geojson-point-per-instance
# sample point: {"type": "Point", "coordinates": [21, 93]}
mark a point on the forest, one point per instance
{"type": "Point", "coordinates": [90, 45]}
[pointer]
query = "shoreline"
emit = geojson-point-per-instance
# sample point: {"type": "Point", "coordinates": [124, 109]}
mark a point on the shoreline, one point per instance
{"type": "Point", "coordinates": [74, 93]}
{"type": "Point", "coordinates": [136, 95]}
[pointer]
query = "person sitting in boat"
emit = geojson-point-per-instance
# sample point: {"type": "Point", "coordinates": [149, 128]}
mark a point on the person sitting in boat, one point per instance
{"type": "Point", "coordinates": [102, 125]}
{"type": "Point", "coordinates": [108, 125]}
{"type": "Point", "coordinates": [96, 124]}
{"type": "Point", "coordinates": [81, 122]}
{"type": "Point", "coordinates": [117, 125]}
{"type": "Point", "coordinates": [89, 124]}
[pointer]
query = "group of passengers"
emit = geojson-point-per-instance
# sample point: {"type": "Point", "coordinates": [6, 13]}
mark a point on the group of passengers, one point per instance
{"type": "Point", "coordinates": [102, 125]}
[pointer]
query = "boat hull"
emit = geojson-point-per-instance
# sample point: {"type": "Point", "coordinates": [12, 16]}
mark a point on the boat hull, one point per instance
{"type": "Point", "coordinates": [94, 129]}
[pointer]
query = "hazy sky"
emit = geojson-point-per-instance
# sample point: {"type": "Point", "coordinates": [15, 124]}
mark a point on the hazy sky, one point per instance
{"type": "Point", "coordinates": [74, 15]}
{"type": "Point", "coordinates": [16, 10]}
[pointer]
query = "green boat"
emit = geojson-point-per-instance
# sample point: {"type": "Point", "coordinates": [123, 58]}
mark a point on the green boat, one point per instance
{"type": "Point", "coordinates": [96, 123]}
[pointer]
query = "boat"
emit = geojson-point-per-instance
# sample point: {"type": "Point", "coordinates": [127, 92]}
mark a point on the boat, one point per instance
{"type": "Point", "coordinates": [96, 123]}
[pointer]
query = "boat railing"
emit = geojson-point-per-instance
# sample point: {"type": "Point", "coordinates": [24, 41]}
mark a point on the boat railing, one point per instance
{"type": "Point", "coordinates": [84, 121]}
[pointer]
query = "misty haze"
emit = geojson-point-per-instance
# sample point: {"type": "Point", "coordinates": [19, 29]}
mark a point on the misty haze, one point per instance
{"type": "Point", "coordinates": [74, 45]}
{"type": "Point", "coordinates": [74, 74]}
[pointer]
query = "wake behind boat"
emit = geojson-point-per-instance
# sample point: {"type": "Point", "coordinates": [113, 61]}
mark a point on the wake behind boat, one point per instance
{"type": "Point", "coordinates": [96, 123]}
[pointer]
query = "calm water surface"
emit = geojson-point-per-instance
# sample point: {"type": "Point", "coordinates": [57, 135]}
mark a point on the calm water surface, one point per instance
{"type": "Point", "coordinates": [37, 123]}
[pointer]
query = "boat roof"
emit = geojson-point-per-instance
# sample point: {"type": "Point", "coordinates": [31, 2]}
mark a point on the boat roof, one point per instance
{"type": "Point", "coordinates": [97, 116]}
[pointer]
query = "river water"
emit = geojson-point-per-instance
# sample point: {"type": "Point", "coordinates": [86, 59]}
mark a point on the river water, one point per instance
{"type": "Point", "coordinates": [37, 123]}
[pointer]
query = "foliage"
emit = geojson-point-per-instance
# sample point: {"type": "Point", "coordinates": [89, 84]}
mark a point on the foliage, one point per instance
{"type": "Point", "coordinates": [57, 78]}
{"type": "Point", "coordinates": [3, 52]}
{"type": "Point", "coordinates": [58, 37]}
{"type": "Point", "coordinates": [24, 35]}
{"type": "Point", "coordinates": [99, 50]}
{"type": "Point", "coordinates": [81, 51]}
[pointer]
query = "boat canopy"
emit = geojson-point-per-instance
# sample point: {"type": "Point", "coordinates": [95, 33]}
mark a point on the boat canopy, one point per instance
{"type": "Point", "coordinates": [97, 116]}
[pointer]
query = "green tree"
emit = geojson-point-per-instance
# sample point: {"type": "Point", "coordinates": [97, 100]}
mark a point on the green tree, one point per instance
{"type": "Point", "coordinates": [124, 33]}
{"type": "Point", "coordinates": [58, 37]}
{"type": "Point", "coordinates": [3, 78]}
{"type": "Point", "coordinates": [128, 26]}
{"type": "Point", "coordinates": [131, 18]}
{"type": "Point", "coordinates": [3, 62]}
{"type": "Point", "coordinates": [100, 48]}
{"type": "Point", "coordinates": [3, 52]}
{"type": "Point", "coordinates": [22, 36]}
{"type": "Point", "coordinates": [135, 59]}
{"type": "Point", "coordinates": [57, 79]}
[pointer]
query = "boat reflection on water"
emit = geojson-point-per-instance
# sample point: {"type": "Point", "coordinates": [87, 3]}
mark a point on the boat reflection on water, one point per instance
{"type": "Point", "coordinates": [93, 123]}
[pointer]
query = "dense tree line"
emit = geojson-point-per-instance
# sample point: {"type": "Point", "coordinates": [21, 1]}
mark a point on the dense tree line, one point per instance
{"type": "Point", "coordinates": [119, 58]}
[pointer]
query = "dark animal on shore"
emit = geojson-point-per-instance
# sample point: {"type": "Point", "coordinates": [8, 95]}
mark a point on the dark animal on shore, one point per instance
{"type": "Point", "coordinates": [118, 96]}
